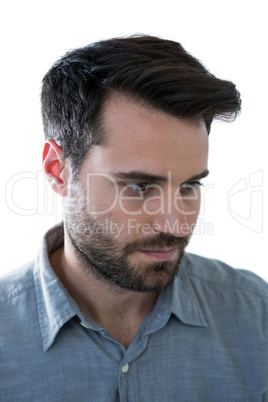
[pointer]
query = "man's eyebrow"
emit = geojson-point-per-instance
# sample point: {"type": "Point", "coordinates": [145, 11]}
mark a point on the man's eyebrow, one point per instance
{"type": "Point", "coordinates": [200, 176]}
{"type": "Point", "coordinates": [137, 175]}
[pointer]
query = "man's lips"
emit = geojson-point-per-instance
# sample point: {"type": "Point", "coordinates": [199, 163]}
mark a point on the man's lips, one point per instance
{"type": "Point", "coordinates": [160, 254]}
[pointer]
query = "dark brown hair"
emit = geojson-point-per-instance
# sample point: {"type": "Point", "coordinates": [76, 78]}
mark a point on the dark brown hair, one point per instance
{"type": "Point", "coordinates": [157, 72]}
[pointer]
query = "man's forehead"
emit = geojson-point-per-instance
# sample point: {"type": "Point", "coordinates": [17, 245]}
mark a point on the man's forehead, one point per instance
{"type": "Point", "coordinates": [127, 121]}
{"type": "Point", "coordinates": [142, 139]}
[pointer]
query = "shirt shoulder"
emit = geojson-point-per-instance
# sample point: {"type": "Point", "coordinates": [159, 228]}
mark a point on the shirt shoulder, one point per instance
{"type": "Point", "coordinates": [16, 282]}
{"type": "Point", "coordinates": [219, 274]}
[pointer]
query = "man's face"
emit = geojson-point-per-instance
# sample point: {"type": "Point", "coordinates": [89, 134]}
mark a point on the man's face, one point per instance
{"type": "Point", "coordinates": [132, 211]}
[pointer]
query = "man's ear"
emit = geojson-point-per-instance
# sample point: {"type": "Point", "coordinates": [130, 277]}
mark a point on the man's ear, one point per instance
{"type": "Point", "coordinates": [55, 167]}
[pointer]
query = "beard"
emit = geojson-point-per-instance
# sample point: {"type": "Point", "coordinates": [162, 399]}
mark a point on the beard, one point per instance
{"type": "Point", "coordinates": [107, 257]}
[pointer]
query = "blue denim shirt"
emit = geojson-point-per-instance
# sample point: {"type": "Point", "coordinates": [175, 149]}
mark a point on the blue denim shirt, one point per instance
{"type": "Point", "coordinates": [205, 340]}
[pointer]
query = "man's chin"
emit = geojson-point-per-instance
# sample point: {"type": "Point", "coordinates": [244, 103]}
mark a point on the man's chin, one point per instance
{"type": "Point", "coordinates": [152, 277]}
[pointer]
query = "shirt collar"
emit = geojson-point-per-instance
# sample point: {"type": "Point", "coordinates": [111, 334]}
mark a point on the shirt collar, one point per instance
{"type": "Point", "coordinates": [185, 304]}
{"type": "Point", "coordinates": [178, 299]}
{"type": "Point", "coordinates": [55, 306]}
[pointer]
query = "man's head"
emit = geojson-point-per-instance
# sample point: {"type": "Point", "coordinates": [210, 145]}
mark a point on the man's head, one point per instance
{"type": "Point", "coordinates": [127, 124]}
{"type": "Point", "coordinates": [154, 72]}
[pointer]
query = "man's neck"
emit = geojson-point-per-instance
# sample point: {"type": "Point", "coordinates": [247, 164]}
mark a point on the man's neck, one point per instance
{"type": "Point", "coordinates": [119, 311]}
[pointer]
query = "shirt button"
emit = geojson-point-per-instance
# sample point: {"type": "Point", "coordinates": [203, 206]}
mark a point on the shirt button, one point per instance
{"type": "Point", "coordinates": [125, 368]}
{"type": "Point", "coordinates": [84, 324]}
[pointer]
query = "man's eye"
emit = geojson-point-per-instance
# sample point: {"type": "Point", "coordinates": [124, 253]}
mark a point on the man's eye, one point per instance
{"type": "Point", "coordinates": [191, 186]}
{"type": "Point", "coordinates": [138, 187]}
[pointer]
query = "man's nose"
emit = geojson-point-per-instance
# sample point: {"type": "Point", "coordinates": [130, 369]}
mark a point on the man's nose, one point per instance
{"type": "Point", "coordinates": [173, 220]}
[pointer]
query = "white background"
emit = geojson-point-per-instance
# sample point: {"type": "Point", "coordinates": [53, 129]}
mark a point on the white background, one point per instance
{"type": "Point", "coordinates": [229, 37]}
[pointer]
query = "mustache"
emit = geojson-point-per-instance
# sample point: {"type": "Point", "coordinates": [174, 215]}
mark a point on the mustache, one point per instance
{"type": "Point", "coordinates": [162, 240]}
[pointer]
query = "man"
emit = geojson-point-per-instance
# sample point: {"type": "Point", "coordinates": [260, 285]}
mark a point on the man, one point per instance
{"type": "Point", "coordinates": [113, 309]}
